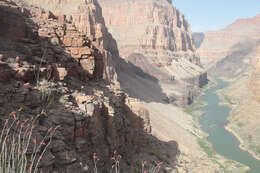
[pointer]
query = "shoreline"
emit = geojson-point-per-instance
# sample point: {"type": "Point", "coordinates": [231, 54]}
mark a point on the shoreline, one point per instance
{"type": "Point", "coordinates": [213, 83]}
{"type": "Point", "coordinates": [242, 145]}
{"type": "Point", "coordinates": [241, 141]}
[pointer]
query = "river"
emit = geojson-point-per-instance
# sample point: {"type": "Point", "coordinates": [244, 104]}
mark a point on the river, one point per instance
{"type": "Point", "coordinates": [213, 122]}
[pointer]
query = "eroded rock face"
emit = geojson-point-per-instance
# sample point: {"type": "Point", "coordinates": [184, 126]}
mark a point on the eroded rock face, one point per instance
{"type": "Point", "coordinates": [219, 44]}
{"type": "Point", "coordinates": [147, 25]}
{"type": "Point", "coordinates": [85, 17]}
{"type": "Point", "coordinates": [52, 66]}
{"type": "Point", "coordinates": [155, 36]}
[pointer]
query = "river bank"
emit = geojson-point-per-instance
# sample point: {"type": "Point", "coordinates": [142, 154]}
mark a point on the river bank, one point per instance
{"type": "Point", "coordinates": [231, 126]}
{"type": "Point", "coordinates": [195, 111]}
{"type": "Point", "coordinates": [241, 141]}
{"type": "Point", "coordinates": [213, 121]}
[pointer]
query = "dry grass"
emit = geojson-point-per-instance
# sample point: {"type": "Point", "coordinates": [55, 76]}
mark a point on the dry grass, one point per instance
{"type": "Point", "coordinates": [115, 167]}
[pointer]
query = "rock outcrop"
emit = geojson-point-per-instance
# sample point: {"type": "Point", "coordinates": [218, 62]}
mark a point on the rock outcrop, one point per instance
{"type": "Point", "coordinates": [160, 34]}
{"type": "Point", "coordinates": [87, 18]}
{"type": "Point", "coordinates": [219, 44]}
{"type": "Point", "coordinates": [48, 63]}
{"type": "Point", "coordinates": [155, 36]}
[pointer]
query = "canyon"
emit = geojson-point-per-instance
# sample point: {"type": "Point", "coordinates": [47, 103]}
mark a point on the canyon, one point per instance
{"type": "Point", "coordinates": [156, 37]}
{"type": "Point", "coordinates": [48, 65]}
{"type": "Point", "coordinates": [232, 54]}
{"type": "Point", "coordinates": [115, 75]}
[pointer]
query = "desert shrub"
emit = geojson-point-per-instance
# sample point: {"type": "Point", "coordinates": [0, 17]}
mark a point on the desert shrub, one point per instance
{"type": "Point", "coordinates": [115, 167]}
{"type": "Point", "coordinates": [17, 139]}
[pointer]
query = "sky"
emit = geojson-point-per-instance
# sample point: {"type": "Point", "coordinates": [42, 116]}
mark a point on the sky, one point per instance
{"type": "Point", "coordinates": [206, 15]}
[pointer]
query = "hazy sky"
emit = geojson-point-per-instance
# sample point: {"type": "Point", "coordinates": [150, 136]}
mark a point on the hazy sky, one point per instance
{"type": "Point", "coordinates": [204, 15]}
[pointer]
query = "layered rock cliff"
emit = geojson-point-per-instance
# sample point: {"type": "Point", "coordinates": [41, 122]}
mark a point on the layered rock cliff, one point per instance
{"type": "Point", "coordinates": [48, 64]}
{"type": "Point", "coordinates": [155, 36]}
{"type": "Point", "coordinates": [148, 24]}
{"type": "Point", "coordinates": [219, 44]}
{"type": "Point", "coordinates": [157, 40]}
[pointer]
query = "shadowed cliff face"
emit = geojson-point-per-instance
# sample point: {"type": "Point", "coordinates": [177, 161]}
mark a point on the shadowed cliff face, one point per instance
{"type": "Point", "coordinates": [47, 63]}
{"type": "Point", "coordinates": [198, 38]}
{"type": "Point", "coordinates": [88, 18]}
{"type": "Point", "coordinates": [165, 41]}
{"type": "Point", "coordinates": [154, 35]}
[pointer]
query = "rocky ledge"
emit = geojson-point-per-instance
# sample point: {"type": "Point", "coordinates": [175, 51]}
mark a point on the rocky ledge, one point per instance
{"type": "Point", "coordinates": [47, 64]}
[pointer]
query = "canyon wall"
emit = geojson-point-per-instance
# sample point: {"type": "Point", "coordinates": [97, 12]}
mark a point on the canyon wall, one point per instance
{"type": "Point", "coordinates": [152, 35]}
{"type": "Point", "coordinates": [51, 68]}
{"type": "Point", "coordinates": [155, 36]}
{"type": "Point", "coordinates": [219, 44]}
{"type": "Point", "coordinates": [146, 25]}
{"type": "Point", "coordinates": [63, 61]}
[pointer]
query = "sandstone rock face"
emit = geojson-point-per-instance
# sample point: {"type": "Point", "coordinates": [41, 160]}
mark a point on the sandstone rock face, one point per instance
{"type": "Point", "coordinates": [160, 33]}
{"type": "Point", "coordinates": [218, 44]}
{"type": "Point", "coordinates": [53, 66]}
{"type": "Point", "coordinates": [146, 25]}
{"type": "Point", "coordinates": [86, 17]}
{"type": "Point", "coordinates": [155, 36]}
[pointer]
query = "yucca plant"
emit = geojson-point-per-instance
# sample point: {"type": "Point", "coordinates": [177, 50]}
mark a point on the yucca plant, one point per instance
{"type": "Point", "coordinates": [15, 141]}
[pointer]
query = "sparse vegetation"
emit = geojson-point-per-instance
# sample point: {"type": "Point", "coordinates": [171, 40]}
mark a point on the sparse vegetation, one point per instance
{"type": "Point", "coordinates": [21, 2]}
{"type": "Point", "coordinates": [240, 125]}
{"type": "Point", "coordinates": [115, 167]}
{"type": "Point", "coordinates": [207, 148]}
{"type": "Point", "coordinates": [228, 100]}
{"type": "Point", "coordinates": [255, 148]}
{"type": "Point", "coordinates": [17, 138]}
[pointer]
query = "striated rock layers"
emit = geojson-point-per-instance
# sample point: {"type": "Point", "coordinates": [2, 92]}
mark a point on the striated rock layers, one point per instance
{"type": "Point", "coordinates": [157, 40]}
{"type": "Point", "coordinates": [48, 63]}
{"type": "Point", "coordinates": [154, 35]}
{"type": "Point", "coordinates": [219, 44]}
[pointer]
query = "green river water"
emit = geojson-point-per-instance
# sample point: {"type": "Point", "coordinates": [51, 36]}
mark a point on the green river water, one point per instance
{"type": "Point", "coordinates": [213, 122]}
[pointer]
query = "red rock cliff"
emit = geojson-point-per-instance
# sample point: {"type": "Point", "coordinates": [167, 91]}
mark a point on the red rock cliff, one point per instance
{"type": "Point", "coordinates": [47, 64]}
